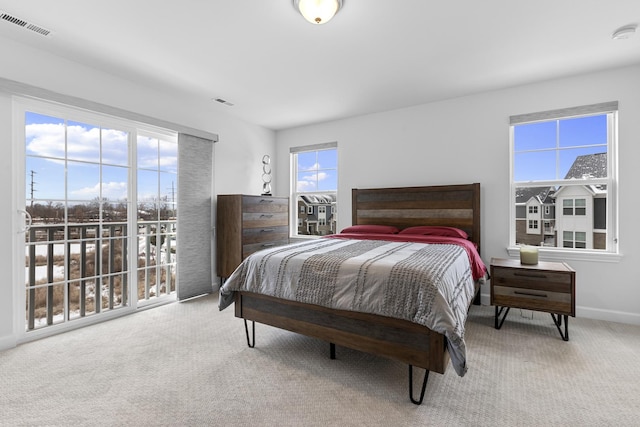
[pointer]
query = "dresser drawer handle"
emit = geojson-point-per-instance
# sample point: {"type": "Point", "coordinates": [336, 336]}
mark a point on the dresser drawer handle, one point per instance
{"type": "Point", "coordinates": [266, 201]}
{"type": "Point", "coordinates": [535, 276]}
{"type": "Point", "coordinates": [267, 230]}
{"type": "Point", "coordinates": [265, 216]}
{"type": "Point", "coordinates": [530, 294]}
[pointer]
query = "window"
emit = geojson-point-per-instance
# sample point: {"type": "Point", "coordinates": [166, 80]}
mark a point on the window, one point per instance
{"type": "Point", "coordinates": [574, 207]}
{"type": "Point", "coordinates": [576, 239]}
{"type": "Point", "coordinates": [314, 189]}
{"type": "Point", "coordinates": [565, 158]}
{"type": "Point", "coordinates": [101, 223]}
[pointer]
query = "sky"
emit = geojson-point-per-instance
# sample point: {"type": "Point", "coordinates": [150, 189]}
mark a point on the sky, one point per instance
{"type": "Point", "coordinates": [318, 170]}
{"type": "Point", "coordinates": [546, 150]}
{"type": "Point", "coordinates": [55, 151]}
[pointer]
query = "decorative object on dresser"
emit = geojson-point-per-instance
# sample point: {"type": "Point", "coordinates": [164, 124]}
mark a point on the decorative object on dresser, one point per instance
{"type": "Point", "coordinates": [545, 286]}
{"type": "Point", "coordinates": [246, 224]}
{"type": "Point", "coordinates": [266, 175]}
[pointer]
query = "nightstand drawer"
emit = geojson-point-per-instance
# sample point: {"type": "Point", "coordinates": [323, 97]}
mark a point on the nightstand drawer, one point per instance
{"type": "Point", "coordinates": [533, 299]}
{"type": "Point", "coordinates": [543, 280]}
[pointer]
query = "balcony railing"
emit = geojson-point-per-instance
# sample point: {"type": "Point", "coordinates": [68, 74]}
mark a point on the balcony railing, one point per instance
{"type": "Point", "coordinates": [75, 270]}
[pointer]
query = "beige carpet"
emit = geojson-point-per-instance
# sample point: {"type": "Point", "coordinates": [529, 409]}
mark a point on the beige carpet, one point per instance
{"type": "Point", "coordinates": [187, 364]}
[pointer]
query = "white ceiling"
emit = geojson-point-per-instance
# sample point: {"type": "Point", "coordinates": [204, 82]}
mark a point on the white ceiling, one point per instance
{"type": "Point", "coordinates": [279, 71]}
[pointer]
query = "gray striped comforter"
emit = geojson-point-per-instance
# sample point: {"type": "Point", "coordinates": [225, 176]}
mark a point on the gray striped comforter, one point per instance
{"type": "Point", "coordinates": [429, 284]}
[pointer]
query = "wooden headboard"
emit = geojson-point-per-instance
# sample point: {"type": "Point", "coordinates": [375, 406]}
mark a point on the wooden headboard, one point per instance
{"type": "Point", "coordinates": [450, 205]}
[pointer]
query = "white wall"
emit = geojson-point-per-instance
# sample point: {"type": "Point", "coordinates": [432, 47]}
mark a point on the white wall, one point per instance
{"type": "Point", "coordinates": [466, 140]}
{"type": "Point", "coordinates": [238, 154]}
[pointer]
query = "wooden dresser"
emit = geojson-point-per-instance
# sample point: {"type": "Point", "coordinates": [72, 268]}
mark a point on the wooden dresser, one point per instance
{"type": "Point", "coordinates": [546, 286]}
{"type": "Point", "coordinates": [245, 224]}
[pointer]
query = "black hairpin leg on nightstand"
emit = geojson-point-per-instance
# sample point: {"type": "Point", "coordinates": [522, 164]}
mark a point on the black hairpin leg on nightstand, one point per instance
{"type": "Point", "coordinates": [498, 321]}
{"type": "Point", "coordinates": [424, 386]}
{"type": "Point", "coordinates": [250, 342]}
{"type": "Point", "coordinates": [558, 321]}
{"type": "Point", "coordinates": [332, 351]}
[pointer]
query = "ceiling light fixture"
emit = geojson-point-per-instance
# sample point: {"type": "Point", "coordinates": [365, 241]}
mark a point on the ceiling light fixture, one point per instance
{"type": "Point", "coordinates": [317, 11]}
{"type": "Point", "coordinates": [624, 32]}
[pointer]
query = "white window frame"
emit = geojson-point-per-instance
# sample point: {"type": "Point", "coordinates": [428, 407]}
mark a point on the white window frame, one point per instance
{"type": "Point", "coordinates": [293, 195]}
{"type": "Point", "coordinates": [23, 104]}
{"type": "Point", "coordinates": [611, 254]}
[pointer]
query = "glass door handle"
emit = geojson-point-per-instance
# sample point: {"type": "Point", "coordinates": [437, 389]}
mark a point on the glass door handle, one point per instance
{"type": "Point", "coordinates": [27, 216]}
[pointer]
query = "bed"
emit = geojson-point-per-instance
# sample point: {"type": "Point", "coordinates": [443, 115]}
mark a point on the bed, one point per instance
{"type": "Point", "coordinates": [260, 295]}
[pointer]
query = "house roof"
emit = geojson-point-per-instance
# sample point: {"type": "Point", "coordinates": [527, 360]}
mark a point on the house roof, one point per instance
{"type": "Point", "coordinates": [588, 166]}
{"type": "Point", "coordinates": [318, 199]}
{"type": "Point", "coordinates": [543, 194]}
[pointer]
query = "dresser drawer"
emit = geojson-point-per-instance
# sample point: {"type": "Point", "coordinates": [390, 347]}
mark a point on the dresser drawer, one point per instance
{"type": "Point", "coordinates": [264, 234]}
{"type": "Point", "coordinates": [249, 249]}
{"type": "Point", "coordinates": [533, 299]}
{"type": "Point", "coordinates": [264, 219]}
{"type": "Point", "coordinates": [542, 280]}
{"type": "Point", "coordinates": [265, 204]}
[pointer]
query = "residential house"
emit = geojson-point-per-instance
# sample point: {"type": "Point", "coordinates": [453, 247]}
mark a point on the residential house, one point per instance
{"type": "Point", "coordinates": [317, 214]}
{"type": "Point", "coordinates": [572, 216]}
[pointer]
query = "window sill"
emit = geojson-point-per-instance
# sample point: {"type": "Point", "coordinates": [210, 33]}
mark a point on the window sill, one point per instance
{"type": "Point", "coordinates": [550, 254]}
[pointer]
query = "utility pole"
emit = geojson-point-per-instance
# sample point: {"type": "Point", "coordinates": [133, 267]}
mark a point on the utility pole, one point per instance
{"type": "Point", "coordinates": [32, 185]}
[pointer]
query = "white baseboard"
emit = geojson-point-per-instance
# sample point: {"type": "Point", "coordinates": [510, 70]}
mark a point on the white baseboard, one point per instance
{"type": "Point", "coordinates": [592, 313]}
{"type": "Point", "coordinates": [608, 315]}
{"type": "Point", "coordinates": [8, 342]}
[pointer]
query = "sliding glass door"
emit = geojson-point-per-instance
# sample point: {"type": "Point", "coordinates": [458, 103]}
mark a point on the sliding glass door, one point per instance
{"type": "Point", "coordinates": [88, 250]}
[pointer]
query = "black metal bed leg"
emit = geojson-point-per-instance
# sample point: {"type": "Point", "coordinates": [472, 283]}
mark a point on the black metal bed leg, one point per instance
{"type": "Point", "coordinates": [250, 342]}
{"type": "Point", "coordinates": [424, 386]}
{"type": "Point", "coordinates": [332, 351]}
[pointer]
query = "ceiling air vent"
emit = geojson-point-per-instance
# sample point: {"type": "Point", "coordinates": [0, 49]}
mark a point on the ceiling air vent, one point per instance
{"type": "Point", "coordinates": [223, 101]}
{"type": "Point", "coordinates": [24, 24]}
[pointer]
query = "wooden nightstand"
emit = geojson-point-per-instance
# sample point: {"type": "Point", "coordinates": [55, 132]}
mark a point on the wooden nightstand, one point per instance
{"type": "Point", "coordinates": [546, 286]}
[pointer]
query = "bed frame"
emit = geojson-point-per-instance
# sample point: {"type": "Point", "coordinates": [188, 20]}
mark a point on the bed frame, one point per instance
{"type": "Point", "coordinates": [401, 340]}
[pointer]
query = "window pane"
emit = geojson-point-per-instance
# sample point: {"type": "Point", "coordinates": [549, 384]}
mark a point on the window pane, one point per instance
{"type": "Point", "coordinates": [115, 147]}
{"type": "Point", "coordinates": [581, 131]}
{"type": "Point", "coordinates": [327, 159]}
{"type": "Point", "coordinates": [307, 161]}
{"type": "Point", "coordinates": [535, 136]}
{"type": "Point", "coordinates": [147, 153]}
{"type": "Point", "coordinates": [168, 152]}
{"type": "Point", "coordinates": [582, 163]}
{"type": "Point", "coordinates": [45, 136]}
{"type": "Point", "coordinates": [83, 142]}
{"type": "Point", "coordinates": [45, 179]}
{"type": "Point", "coordinates": [534, 166]}
{"type": "Point", "coordinates": [83, 181]}
{"type": "Point", "coordinates": [307, 181]}
{"type": "Point", "coordinates": [328, 180]}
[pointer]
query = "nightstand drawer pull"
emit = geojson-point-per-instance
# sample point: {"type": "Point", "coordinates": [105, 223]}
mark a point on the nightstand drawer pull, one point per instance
{"type": "Point", "coordinates": [535, 276]}
{"type": "Point", "coordinates": [266, 216]}
{"type": "Point", "coordinates": [267, 230]}
{"type": "Point", "coordinates": [266, 201]}
{"type": "Point", "coordinates": [530, 294]}
{"type": "Point", "coordinates": [268, 245]}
